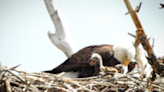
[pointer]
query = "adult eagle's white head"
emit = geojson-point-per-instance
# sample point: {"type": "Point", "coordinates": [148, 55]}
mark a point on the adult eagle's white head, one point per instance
{"type": "Point", "coordinates": [125, 53]}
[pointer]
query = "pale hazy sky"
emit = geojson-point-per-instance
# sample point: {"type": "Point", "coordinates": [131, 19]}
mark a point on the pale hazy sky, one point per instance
{"type": "Point", "coordinates": [24, 25]}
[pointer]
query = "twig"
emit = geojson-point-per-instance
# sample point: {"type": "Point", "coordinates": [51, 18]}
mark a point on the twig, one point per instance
{"type": "Point", "coordinates": [5, 69]}
{"type": "Point", "coordinates": [153, 43]}
{"type": "Point", "coordinates": [7, 84]}
{"type": "Point", "coordinates": [49, 86]}
{"type": "Point", "coordinates": [0, 69]}
{"type": "Point", "coordinates": [66, 90]}
{"type": "Point", "coordinates": [12, 68]}
{"type": "Point", "coordinates": [136, 9]}
{"type": "Point", "coordinates": [16, 76]}
{"type": "Point", "coordinates": [87, 78]}
{"type": "Point", "coordinates": [105, 89]}
{"type": "Point", "coordinates": [23, 85]}
{"type": "Point", "coordinates": [127, 83]}
{"type": "Point", "coordinates": [83, 87]}
{"type": "Point", "coordinates": [131, 35]}
{"type": "Point", "coordinates": [104, 83]}
{"type": "Point", "coordinates": [27, 85]}
{"type": "Point", "coordinates": [69, 87]}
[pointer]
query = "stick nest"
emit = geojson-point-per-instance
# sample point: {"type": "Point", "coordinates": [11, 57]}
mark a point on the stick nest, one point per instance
{"type": "Point", "coordinates": [21, 81]}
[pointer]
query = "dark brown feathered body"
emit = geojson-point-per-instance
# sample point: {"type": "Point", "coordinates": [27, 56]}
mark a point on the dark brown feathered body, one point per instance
{"type": "Point", "coordinates": [80, 60]}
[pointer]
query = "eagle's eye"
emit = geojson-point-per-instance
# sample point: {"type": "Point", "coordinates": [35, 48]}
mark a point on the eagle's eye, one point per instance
{"type": "Point", "coordinates": [96, 58]}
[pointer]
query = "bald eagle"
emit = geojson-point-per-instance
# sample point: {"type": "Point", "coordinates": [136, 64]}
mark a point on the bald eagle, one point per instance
{"type": "Point", "coordinates": [79, 62]}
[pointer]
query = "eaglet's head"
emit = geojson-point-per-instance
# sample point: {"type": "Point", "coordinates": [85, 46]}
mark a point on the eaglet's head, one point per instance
{"type": "Point", "coordinates": [95, 59]}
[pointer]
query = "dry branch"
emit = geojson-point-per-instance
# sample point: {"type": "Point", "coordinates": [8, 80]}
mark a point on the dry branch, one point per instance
{"type": "Point", "coordinates": [141, 37]}
{"type": "Point", "coordinates": [66, 45]}
{"type": "Point", "coordinates": [7, 84]}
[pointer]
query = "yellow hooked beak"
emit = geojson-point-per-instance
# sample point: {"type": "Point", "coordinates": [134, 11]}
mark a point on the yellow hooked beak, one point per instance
{"type": "Point", "coordinates": [125, 61]}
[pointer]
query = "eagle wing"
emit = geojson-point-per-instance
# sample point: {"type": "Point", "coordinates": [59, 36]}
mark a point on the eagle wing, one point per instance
{"type": "Point", "coordinates": [80, 60]}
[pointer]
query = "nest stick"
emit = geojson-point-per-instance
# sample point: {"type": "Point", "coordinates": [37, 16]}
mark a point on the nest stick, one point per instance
{"type": "Point", "coordinates": [49, 86]}
{"type": "Point", "coordinates": [7, 84]}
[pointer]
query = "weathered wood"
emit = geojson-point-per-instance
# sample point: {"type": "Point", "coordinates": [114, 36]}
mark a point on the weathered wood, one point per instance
{"type": "Point", "coordinates": [141, 37]}
{"type": "Point", "coordinates": [61, 37]}
{"type": "Point", "coordinates": [40, 82]}
{"type": "Point", "coordinates": [7, 84]}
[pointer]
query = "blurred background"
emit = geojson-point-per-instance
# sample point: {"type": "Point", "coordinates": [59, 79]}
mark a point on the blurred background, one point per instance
{"type": "Point", "coordinates": [24, 25]}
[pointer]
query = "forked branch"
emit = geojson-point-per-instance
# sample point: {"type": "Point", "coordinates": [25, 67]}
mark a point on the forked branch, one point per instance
{"type": "Point", "coordinates": [141, 37]}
